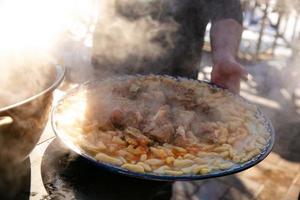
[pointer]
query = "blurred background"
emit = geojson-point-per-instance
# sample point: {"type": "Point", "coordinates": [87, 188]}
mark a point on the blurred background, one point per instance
{"type": "Point", "coordinates": [269, 50]}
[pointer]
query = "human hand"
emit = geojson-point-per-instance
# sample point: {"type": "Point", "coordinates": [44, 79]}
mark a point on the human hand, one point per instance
{"type": "Point", "coordinates": [228, 73]}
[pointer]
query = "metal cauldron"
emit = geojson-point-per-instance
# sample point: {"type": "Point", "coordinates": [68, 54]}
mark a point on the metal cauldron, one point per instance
{"type": "Point", "coordinates": [22, 124]}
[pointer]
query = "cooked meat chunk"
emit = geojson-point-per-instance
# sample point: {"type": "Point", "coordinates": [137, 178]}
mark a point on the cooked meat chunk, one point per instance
{"type": "Point", "coordinates": [214, 115]}
{"type": "Point", "coordinates": [162, 116]}
{"type": "Point", "coordinates": [117, 117]}
{"type": "Point", "coordinates": [163, 111]}
{"type": "Point", "coordinates": [133, 118]}
{"type": "Point", "coordinates": [180, 137]}
{"type": "Point", "coordinates": [126, 118]}
{"type": "Point", "coordinates": [158, 96]}
{"type": "Point", "coordinates": [191, 137]}
{"type": "Point", "coordinates": [136, 133]}
{"type": "Point", "coordinates": [152, 100]}
{"type": "Point", "coordinates": [153, 85]}
{"type": "Point", "coordinates": [211, 137]}
{"type": "Point", "coordinates": [206, 132]}
{"type": "Point", "coordinates": [121, 89]}
{"type": "Point", "coordinates": [159, 127]}
{"type": "Point", "coordinates": [178, 95]}
{"type": "Point", "coordinates": [202, 107]}
{"type": "Point", "coordinates": [202, 128]}
{"type": "Point", "coordinates": [183, 117]}
{"type": "Point", "coordinates": [161, 134]}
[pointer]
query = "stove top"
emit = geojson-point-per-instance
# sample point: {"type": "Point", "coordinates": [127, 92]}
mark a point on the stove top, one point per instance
{"type": "Point", "coordinates": [15, 180]}
{"type": "Point", "coordinates": [69, 176]}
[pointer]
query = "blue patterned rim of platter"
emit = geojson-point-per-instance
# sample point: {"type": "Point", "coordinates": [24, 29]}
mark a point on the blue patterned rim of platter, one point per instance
{"type": "Point", "coordinates": [151, 176]}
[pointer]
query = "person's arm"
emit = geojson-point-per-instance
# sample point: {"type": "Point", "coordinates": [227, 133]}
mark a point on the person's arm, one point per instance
{"type": "Point", "coordinates": [226, 34]}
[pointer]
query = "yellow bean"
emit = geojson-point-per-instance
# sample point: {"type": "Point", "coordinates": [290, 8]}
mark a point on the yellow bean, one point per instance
{"type": "Point", "coordinates": [105, 136]}
{"type": "Point", "coordinates": [134, 168]}
{"type": "Point", "coordinates": [145, 166]}
{"type": "Point", "coordinates": [260, 146]}
{"type": "Point", "coordinates": [197, 169]}
{"type": "Point", "coordinates": [108, 159]}
{"type": "Point", "coordinates": [158, 152]}
{"type": "Point", "coordinates": [183, 163]}
{"type": "Point", "coordinates": [231, 140]}
{"type": "Point", "coordinates": [100, 146]}
{"type": "Point", "coordinates": [250, 155]}
{"type": "Point", "coordinates": [172, 172]}
{"type": "Point", "coordinates": [154, 162]}
{"type": "Point", "coordinates": [189, 170]}
{"type": "Point", "coordinates": [208, 147]}
{"type": "Point", "coordinates": [118, 140]}
{"type": "Point", "coordinates": [125, 154]}
{"type": "Point", "coordinates": [225, 165]}
{"type": "Point", "coordinates": [143, 157]}
{"type": "Point", "coordinates": [220, 149]}
{"type": "Point", "coordinates": [224, 154]}
{"type": "Point", "coordinates": [189, 156]}
{"type": "Point", "coordinates": [200, 161]}
{"type": "Point", "coordinates": [205, 170]}
{"type": "Point", "coordinates": [161, 170]}
{"type": "Point", "coordinates": [261, 140]}
{"type": "Point", "coordinates": [168, 145]}
{"type": "Point", "coordinates": [249, 147]}
{"type": "Point", "coordinates": [170, 160]}
{"type": "Point", "coordinates": [134, 151]}
{"type": "Point", "coordinates": [169, 152]}
{"type": "Point", "coordinates": [180, 149]}
{"type": "Point", "coordinates": [122, 159]}
{"type": "Point", "coordinates": [205, 154]}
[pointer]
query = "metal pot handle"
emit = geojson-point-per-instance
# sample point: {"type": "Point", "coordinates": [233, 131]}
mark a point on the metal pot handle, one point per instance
{"type": "Point", "coordinates": [5, 119]}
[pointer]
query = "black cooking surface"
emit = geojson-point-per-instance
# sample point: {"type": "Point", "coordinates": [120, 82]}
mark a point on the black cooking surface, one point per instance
{"type": "Point", "coordinates": [69, 176]}
{"type": "Point", "coordinates": [15, 181]}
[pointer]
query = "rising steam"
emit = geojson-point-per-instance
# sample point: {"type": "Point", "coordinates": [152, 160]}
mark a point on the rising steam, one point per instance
{"type": "Point", "coordinates": [22, 75]}
{"type": "Point", "coordinates": [129, 39]}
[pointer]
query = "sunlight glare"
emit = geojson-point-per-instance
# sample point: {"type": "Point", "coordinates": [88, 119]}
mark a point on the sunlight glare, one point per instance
{"type": "Point", "coordinates": [73, 111]}
{"type": "Point", "coordinates": [37, 24]}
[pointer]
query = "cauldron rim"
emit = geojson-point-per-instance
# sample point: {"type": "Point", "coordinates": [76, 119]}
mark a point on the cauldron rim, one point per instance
{"type": "Point", "coordinates": [60, 74]}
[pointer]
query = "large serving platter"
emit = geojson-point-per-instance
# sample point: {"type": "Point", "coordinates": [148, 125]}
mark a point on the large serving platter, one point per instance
{"type": "Point", "coordinates": [152, 176]}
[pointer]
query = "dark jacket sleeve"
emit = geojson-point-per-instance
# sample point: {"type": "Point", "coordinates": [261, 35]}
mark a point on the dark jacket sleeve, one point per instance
{"type": "Point", "coordinates": [225, 9]}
